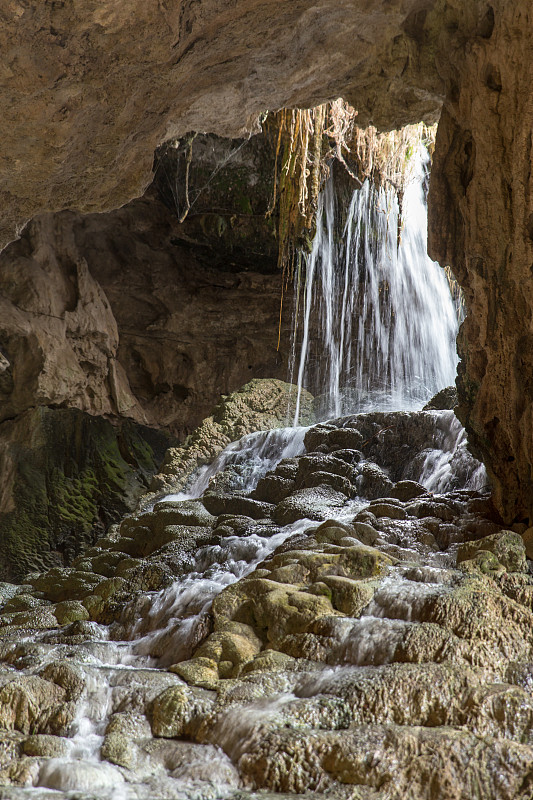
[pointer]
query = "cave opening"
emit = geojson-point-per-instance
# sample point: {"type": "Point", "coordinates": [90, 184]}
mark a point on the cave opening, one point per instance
{"type": "Point", "coordinates": [247, 547]}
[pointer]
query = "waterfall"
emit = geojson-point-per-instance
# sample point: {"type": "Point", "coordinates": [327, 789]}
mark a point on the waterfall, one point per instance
{"type": "Point", "coordinates": [378, 322]}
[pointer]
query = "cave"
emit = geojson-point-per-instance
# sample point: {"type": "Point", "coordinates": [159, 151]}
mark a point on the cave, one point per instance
{"type": "Point", "coordinates": [370, 630]}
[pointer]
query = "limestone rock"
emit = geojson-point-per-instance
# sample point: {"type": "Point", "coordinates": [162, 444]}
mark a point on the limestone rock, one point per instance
{"type": "Point", "coordinates": [506, 546]}
{"type": "Point", "coordinates": [445, 399]}
{"type": "Point", "coordinates": [312, 504]}
{"type": "Point", "coordinates": [177, 709]}
{"type": "Point", "coordinates": [485, 234]}
{"type": "Point", "coordinates": [259, 405]}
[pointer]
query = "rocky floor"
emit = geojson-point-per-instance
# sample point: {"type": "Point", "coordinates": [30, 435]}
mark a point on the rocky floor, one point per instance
{"type": "Point", "coordinates": [357, 625]}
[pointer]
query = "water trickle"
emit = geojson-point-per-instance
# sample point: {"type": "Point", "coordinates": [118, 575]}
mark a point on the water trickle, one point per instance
{"type": "Point", "coordinates": [378, 322]}
{"type": "Point", "coordinates": [251, 457]}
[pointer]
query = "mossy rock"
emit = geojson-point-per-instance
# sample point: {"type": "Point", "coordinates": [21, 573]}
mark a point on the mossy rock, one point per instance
{"type": "Point", "coordinates": [231, 649]}
{"type": "Point", "coordinates": [200, 671]}
{"type": "Point", "coordinates": [262, 404]}
{"type": "Point", "coordinates": [58, 584]}
{"type": "Point", "coordinates": [70, 611]}
{"type": "Point", "coordinates": [314, 504]}
{"type": "Point", "coordinates": [178, 710]}
{"type": "Point", "coordinates": [75, 475]}
{"type": "Point", "coordinates": [508, 548]}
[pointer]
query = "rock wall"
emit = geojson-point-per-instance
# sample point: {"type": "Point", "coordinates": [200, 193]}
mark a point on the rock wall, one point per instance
{"type": "Point", "coordinates": [481, 222]}
{"type": "Point", "coordinates": [103, 83]}
{"type": "Point", "coordinates": [66, 476]}
{"type": "Point", "coordinates": [132, 314]}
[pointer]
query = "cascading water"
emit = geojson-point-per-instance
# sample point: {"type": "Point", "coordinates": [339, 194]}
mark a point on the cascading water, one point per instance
{"type": "Point", "coordinates": [378, 322]}
{"type": "Point", "coordinates": [378, 332]}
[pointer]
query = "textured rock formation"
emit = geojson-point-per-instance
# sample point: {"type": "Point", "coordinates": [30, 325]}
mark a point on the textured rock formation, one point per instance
{"type": "Point", "coordinates": [133, 315]}
{"type": "Point", "coordinates": [402, 630]}
{"type": "Point", "coordinates": [260, 405]}
{"type": "Point", "coordinates": [100, 85]}
{"type": "Point", "coordinates": [481, 222]}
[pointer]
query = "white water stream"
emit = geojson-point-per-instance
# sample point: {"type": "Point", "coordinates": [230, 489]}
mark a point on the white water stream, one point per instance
{"type": "Point", "coordinates": [378, 324]}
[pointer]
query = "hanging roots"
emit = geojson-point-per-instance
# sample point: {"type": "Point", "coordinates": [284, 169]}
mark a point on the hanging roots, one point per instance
{"type": "Point", "coordinates": [307, 141]}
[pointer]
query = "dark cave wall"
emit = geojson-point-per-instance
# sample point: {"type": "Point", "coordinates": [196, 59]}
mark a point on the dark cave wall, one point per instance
{"type": "Point", "coordinates": [132, 314]}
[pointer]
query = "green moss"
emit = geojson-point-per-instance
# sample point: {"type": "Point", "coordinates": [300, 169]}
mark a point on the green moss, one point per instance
{"type": "Point", "coordinates": [75, 475]}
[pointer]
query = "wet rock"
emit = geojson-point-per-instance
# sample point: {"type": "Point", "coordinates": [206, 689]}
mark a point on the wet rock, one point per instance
{"type": "Point", "coordinates": [336, 482]}
{"type": "Point", "coordinates": [70, 611]}
{"type": "Point", "coordinates": [59, 584]}
{"type": "Point", "coordinates": [443, 400]}
{"type": "Point", "coordinates": [314, 504]}
{"type": "Point", "coordinates": [231, 648]}
{"type": "Point", "coordinates": [287, 468]}
{"type": "Point", "coordinates": [309, 464]}
{"type": "Point", "coordinates": [122, 731]}
{"type": "Point", "coordinates": [198, 671]}
{"type": "Point", "coordinates": [59, 496]}
{"type": "Point", "coordinates": [527, 538]}
{"type": "Point", "coordinates": [333, 532]}
{"type": "Point", "coordinates": [219, 504]}
{"type": "Point", "coordinates": [260, 405]}
{"type": "Point", "coordinates": [185, 512]}
{"type": "Point", "coordinates": [389, 510]}
{"type": "Point", "coordinates": [268, 661]}
{"type": "Point", "coordinates": [373, 482]}
{"type": "Point", "coordinates": [407, 490]}
{"type": "Point", "coordinates": [178, 710]}
{"type": "Point", "coordinates": [273, 489]}
{"type": "Point", "coordinates": [432, 508]}
{"type": "Point", "coordinates": [348, 595]}
{"type": "Point", "coordinates": [365, 531]}
{"type": "Point", "coordinates": [46, 746]}
{"type": "Point", "coordinates": [28, 703]}
{"type": "Point", "coordinates": [68, 676]}
{"type": "Point", "coordinates": [500, 769]}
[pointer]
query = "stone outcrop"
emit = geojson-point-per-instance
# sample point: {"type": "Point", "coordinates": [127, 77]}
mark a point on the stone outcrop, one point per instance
{"type": "Point", "coordinates": [102, 86]}
{"type": "Point", "coordinates": [260, 405]}
{"type": "Point", "coordinates": [481, 222]}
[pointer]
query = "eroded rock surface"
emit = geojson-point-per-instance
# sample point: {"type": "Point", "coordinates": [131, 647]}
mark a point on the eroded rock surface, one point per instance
{"type": "Point", "coordinates": [66, 476]}
{"type": "Point", "coordinates": [135, 315]}
{"type": "Point", "coordinates": [481, 213]}
{"type": "Point", "coordinates": [399, 624]}
{"type": "Point", "coordinates": [259, 405]}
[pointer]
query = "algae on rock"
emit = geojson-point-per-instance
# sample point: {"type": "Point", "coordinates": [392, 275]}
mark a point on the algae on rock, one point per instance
{"type": "Point", "coordinates": [68, 476]}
